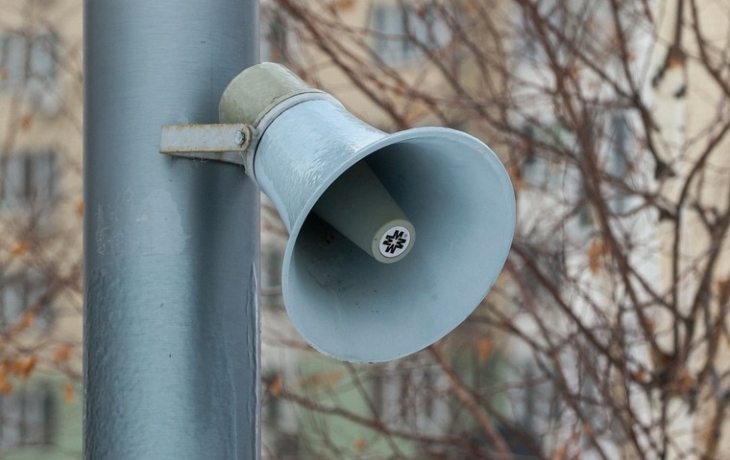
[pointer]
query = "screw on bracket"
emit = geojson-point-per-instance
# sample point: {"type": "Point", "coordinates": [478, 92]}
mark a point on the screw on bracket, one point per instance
{"type": "Point", "coordinates": [240, 138]}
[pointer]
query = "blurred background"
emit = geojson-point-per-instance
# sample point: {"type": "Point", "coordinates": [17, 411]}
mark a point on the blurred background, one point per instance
{"type": "Point", "coordinates": [606, 335]}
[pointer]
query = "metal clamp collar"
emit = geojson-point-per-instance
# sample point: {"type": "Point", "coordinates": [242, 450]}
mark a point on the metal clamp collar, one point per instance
{"type": "Point", "coordinates": [231, 142]}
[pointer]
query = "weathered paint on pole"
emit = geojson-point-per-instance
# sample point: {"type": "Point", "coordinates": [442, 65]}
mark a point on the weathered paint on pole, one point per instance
{"type": "Point", "coordinates": [171, 245]}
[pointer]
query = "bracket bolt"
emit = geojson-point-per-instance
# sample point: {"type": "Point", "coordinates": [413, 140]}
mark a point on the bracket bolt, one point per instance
{"type": "Point", "coordinates": [240, 138]}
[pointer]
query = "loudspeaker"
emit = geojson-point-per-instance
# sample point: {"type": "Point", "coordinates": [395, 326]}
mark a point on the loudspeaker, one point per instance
{"type": "Point", "coordinates": [349, 193]}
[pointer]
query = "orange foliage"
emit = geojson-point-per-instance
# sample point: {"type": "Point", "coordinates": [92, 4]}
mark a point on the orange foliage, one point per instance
{"type": "Point", "coordinates": [69, 394]}
{"type": "Point", "coordinates": [26, 122]}
{"type": "Point", "coordinates": [595, 254]}
{"type": "Point", "coordinates": [63, 353]}
{"type": "Point", "coordinates": [5, 387]}
{"type": "Point", "coordinates": [275, 387]}
{"type": "Point", "coordinates": [360, 444]}
{"type": "Point", "coordinates": [23, 367]}
{"type": "Point", "coordinates": [18, 248]}
{"type": "Point", "coordinates": [27, 320]}
{"type": "Point", "coordinates": [484, 348]}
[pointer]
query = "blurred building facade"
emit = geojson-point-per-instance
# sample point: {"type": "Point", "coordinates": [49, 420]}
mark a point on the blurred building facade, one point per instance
{"type": "Point", "coordinates": [40, 219]}
{"type": "Point", "coordinates": [688, 98]}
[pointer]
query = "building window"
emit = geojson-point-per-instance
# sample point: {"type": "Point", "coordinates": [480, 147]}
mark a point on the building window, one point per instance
{"type": "Point", "coordinates": [541, 168]}
{"type": "Point", "coordinates": [411, 396]}
{"type": "Point", "coordinates": [276, 38]}
{"type": "Point", "coordinates": [550, 261]}
{"type": "Point", "coordinates": [620, 128]}
{"type": "Point", "coordinates": [28, 179]}
{"type": "Point", "coordinates": [26, 58]}
{"type": "Point", "coordinates": [271, 262]}
{"type": "Point", "coordinates": [585, 213]}
{"type": "Point", "coordinates": [615, 158]}
{"type": "Point", "coordinates": [26, 418]}
{"type": "Point", "coordinates": [618, 162]}
{"type": "Point", "coordinates": [401, 31]}
{"type": "Point", "coordinates": [20, 294]}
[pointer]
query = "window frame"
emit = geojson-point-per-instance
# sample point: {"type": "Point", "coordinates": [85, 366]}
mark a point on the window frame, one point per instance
{"type": "Point", "coordinates": [17, 76]}
{"type": "Point", "coordinates": [35, 294]}
{"type": "Point", "coordinates": [30, 165]}
{"type": "Point", "coordinates": [30, 433]}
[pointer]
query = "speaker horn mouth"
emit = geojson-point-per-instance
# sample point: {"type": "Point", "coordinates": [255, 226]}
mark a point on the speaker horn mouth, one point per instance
{"type": "Point", "coordinates": [457, 196]}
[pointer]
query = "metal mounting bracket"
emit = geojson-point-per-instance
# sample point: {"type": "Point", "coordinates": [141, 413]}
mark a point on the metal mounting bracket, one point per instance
{"type": "Point", "coordinates": [221, 142]}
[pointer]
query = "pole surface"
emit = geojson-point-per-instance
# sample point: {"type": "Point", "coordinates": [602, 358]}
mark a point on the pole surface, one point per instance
{"type": "Point", "coordinates": [171, 245]}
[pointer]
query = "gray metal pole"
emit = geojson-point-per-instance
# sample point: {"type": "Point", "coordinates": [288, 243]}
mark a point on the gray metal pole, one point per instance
{"type": "Point", "coordinates": [171, 245]}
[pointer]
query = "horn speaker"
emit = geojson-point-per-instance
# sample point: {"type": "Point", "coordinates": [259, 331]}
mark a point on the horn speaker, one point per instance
{"type": "Point", "coordinates": [394, 238]}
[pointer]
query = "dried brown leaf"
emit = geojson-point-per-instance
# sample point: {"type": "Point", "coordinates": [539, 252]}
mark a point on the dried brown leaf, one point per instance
{"type": "Point", "coordinates": [344, 5]}
{"type": "Point", "coordinates": [515, 175]}
{"type": "Point", "coordinates": [26, 122]}
{"type": "Point", "coordinates": [19, 248]}
{"type": "Point", "coordinates": [360, 444]}
{"type": "Point", "coordinates": [69, 394]}
{"type": "Point", "coordinates": [26, 322]}
{"type": "Point", "coordinates": [62, 353]}
{"type": "Point", "coordinates": [276, 386]}
{"type": "Point", "coordinates": [686, 381]}
{"type": "Point", "coordinates": [484, 348]}
{"type": "Point", "coordinates": [5, 387]}
{"type": "Point", "coordinates": [559, 453]}
{"type": "Point", "coordinates": [24, 366]}
{"type": "Point", "coordinates": [641, 375]}
{"type": "Point", "coordinates": [324, 379]}
{"type": "Point", "coordinates": [595, 254]}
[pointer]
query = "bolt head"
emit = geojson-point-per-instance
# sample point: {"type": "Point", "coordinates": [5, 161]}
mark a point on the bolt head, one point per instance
{"type": "Point", "coordinates": [240, 137]}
